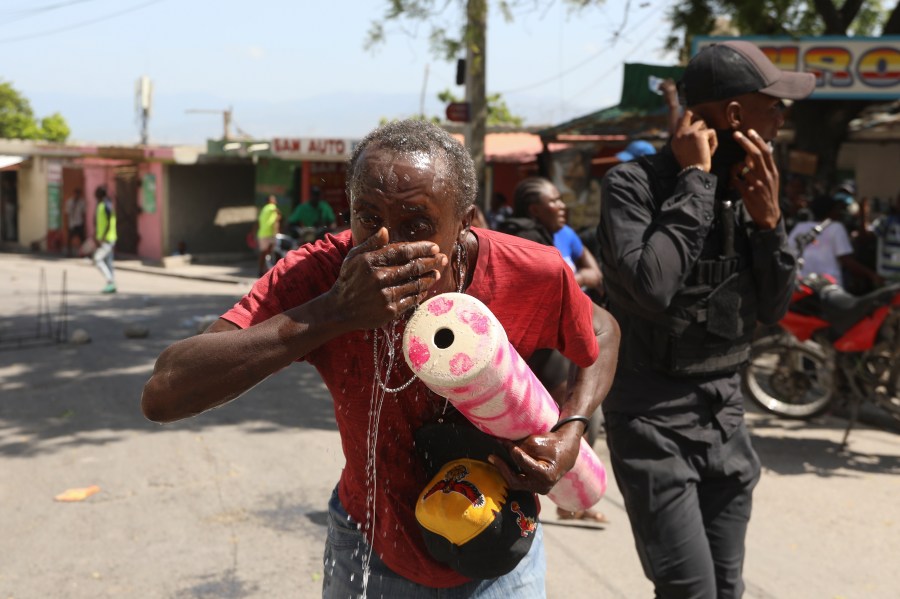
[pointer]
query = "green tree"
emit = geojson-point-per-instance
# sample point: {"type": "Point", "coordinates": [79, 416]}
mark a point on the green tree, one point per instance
{"type": "Point", "coordinates": [498, 113]}
{"type": "Point", "coordinates": [456, 26]}
{"type": "Point", "coordinates": [17, 119]}
{"type": "Point", "coordinates": [54, 128]}
{"type": "Point", "coordinates": [821, 125]}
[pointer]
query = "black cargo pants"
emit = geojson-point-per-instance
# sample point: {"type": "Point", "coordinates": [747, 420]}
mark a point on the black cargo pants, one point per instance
{"type": "Point", "coordinates": [688, 502]}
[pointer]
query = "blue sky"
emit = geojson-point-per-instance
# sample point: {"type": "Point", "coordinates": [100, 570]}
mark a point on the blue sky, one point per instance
{"type": "Point", "coordinates": [298, 68]}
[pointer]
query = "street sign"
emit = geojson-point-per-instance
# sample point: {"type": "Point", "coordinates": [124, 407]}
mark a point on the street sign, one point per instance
{"type": "Point", "coordinates": [458, 112]}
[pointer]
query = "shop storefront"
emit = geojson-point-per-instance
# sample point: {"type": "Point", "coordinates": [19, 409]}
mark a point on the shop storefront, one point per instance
{"type": "Point", "coordinates": [9, 198]}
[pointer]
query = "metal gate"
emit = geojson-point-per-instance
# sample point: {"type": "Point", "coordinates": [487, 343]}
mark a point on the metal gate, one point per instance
{"type": "Point", "coordinates": [127, 183]}
{"type": "Point", "coordinates": [9, 207]}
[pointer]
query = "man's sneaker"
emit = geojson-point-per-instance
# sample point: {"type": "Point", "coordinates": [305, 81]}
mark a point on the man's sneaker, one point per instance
{"type": "Point", "coordinates": [110, 288]}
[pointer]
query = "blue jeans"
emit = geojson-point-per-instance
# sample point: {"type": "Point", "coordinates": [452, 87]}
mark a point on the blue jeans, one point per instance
{"type": "Point", "coordinates": [346, 546]}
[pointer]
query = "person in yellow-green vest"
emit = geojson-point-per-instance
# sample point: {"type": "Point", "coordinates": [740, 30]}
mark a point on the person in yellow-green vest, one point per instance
{"type": "Point", "coordinates": [105, 235]}
{"type": "Point", "coordinates": [268, 224]}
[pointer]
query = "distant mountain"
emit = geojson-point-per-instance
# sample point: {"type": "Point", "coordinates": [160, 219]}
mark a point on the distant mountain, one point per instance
{"type": "Point", "coordinates": [112, 120]}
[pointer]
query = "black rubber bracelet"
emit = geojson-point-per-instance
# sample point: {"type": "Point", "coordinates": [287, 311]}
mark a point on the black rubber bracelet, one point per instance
{"type": "Point", "coordinates": [569, 419]}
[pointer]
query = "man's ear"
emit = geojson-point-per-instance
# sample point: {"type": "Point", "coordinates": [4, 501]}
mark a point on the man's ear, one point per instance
{"type": "Point", "coordinates": [467, 220]}
{"type": "Point", "coordinates": [734, 115]}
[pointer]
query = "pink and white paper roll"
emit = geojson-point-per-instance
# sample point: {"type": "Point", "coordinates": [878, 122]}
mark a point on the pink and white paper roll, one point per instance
{"type": "Point", "coordinates": [459, 349]}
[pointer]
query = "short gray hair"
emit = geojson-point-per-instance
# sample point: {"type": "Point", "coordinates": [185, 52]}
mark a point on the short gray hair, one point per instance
{"type": "Point", "coordinates": [414, 135]}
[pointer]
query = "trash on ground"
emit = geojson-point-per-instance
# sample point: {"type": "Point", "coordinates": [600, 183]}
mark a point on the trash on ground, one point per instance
{"type": "Point", "coordinates": [79, 337]}
{"type": "Point", "coordinates": [136, 331]}
{"type": "Point", "coordinates": [78, 494]}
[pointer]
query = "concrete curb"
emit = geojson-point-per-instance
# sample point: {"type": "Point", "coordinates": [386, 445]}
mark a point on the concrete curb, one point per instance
{"type": "Point", "coordinates": [196, 276]}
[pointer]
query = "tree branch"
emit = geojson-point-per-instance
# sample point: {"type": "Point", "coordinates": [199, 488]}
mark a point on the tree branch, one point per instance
{"type": "Point", "coordinates": [892, 26]}
{"type": "Point", "coordinates": [849, 11]}
{"type": "Point", "coordinates": [833, 23]}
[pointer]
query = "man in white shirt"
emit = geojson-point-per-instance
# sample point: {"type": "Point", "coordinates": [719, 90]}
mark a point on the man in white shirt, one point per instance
{"type": "Point", "coordinates": [830, 252]}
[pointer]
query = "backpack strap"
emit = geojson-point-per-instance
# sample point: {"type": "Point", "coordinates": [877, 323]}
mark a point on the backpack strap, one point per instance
{"type": "Point", "coordinates": [810, 236]}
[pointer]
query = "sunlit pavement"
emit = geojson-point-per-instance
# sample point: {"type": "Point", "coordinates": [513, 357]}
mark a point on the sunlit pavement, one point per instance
{"type": "Point", "coordinates": [231, 504]}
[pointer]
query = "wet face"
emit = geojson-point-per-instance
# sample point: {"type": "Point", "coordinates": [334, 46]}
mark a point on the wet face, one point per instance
{"type": "Point", "coordinates": [550, 210]}
{"type": "Point", "coordinates": [406, 194]}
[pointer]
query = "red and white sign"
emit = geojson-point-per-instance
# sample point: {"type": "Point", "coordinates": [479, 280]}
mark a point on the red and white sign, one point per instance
{"type": "Point", "coordinates": [313, 148]}
{"type": "Point", "coordinates": [458, 112]}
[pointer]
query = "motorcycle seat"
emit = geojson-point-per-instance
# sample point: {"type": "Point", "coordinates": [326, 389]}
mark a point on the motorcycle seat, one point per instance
{"type": "Point", "coordinates": [843, 310]}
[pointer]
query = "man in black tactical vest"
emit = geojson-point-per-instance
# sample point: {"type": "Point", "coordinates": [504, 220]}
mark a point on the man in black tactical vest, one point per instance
{"type": "Point", "coordinates": [694, 253]}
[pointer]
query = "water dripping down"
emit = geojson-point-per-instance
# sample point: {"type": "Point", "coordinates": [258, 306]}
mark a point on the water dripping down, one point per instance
{"type": "Point", "coordinates": [386, 357]}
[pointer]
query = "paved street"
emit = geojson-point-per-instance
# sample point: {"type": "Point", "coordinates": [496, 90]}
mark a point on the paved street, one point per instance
{"type": "Point", "coordinates": [231, 504]}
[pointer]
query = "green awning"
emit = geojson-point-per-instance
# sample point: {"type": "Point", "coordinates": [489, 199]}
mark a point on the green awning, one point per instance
{"type": "Point", "coordinates": [639, 113]}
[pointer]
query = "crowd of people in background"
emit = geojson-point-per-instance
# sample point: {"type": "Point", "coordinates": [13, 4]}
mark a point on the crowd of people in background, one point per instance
{"type": "Point", "coordinates": [854, 240]}
{"type": "Point", "coordinates": [696, 245]}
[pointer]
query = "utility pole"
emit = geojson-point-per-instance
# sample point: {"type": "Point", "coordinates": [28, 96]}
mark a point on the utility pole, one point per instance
{"type": "Point", "coordinates": [226, 119]}
{"type": "Point", "coordinates": [476, 56]}
{"type": "Point", "coordinates": [422, 96]}
{"type": "Point", "coordinates": [143, 102]}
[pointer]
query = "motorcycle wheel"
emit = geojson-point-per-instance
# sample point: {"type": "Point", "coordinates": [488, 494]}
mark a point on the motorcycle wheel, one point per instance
{"type": "Point", "coordinates": [887, 396]}
{"type": "Point", "coordinates": [789, 379]}
{"type": "Point", "coordinates": [887, 387]}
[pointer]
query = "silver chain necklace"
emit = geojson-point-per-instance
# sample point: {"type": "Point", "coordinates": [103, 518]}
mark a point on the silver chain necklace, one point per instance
{"type": "Point", "coordinates": [462, 255]}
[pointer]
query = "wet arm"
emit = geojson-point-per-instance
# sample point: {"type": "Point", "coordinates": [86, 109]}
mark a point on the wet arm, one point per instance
{"type": "Point", "coordinates": [208, 370]}
{"type": "Point", "coordinates": [588, 387]}
{"type": "Point", "coordinates": [377, 282]}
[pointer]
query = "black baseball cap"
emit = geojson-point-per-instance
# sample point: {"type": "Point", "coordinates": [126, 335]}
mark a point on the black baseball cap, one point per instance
{"type": "Point", "coordinates": [470, 519]}
{"type": "Point", "coordinates": [732, 68]}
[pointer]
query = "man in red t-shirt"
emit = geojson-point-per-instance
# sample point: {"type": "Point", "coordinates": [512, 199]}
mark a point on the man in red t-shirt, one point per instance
{"type": "Point", "coordinates": [339, 302]}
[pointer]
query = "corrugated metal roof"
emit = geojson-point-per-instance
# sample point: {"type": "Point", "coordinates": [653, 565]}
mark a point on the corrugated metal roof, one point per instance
{"type": "Point", "coordinates": [515, 147]}
{"type": "Point", "coordinates": [7, 161]}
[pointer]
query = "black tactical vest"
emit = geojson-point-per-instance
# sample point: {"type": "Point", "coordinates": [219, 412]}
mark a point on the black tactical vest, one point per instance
{"type": "Point", "coordinates": [709, 324]}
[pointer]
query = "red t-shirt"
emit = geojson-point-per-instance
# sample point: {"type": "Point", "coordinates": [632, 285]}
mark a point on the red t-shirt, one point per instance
{"type": "Point", "coordinates": [529, 289]}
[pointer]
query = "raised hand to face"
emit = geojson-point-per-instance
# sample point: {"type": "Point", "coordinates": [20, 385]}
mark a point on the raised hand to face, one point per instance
{"type": "Point", "coordinates": [694, 143]}
{"type": "Point", "coordinates": [380, 281]}
{"type": "Point", "coordinates": [756, 178]}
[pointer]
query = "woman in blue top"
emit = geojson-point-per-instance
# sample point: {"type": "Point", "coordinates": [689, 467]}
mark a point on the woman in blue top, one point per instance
{"type": "Point", "coordinates": [539, 214]}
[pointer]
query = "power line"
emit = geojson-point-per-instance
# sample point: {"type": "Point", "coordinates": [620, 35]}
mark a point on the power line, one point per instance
{"type": "Point", "coordinates": [608, 72]}
{"type": "Point", "coordinates": [617, 35]}
{"type": "Point", "coordinates": [555, 77]}
{"type": "Point", "coordinates": [78, 25]}
{"type": "Point", "coordinates": [612, 70]}
{"type": "Point", "coordinates": [24, 13]}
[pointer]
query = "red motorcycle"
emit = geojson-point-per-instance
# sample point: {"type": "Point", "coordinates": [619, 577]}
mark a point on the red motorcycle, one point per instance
{"type": "Point", "coordinates": [830, 346]}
